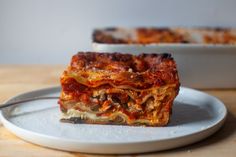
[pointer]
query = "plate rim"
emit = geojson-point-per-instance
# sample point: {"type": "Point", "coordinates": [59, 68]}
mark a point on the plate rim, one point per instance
{"type": "Point", "coordinates": [7, 123]}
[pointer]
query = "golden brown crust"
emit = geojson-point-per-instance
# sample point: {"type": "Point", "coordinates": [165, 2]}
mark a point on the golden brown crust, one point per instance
{"type": "Point", "coordinates": [220, 37]}
{"type": "Point", "coordinates": [158, 35]}
{"type": "Point", "coordinates": [203, 35]}
{"type": "Point", "coordinates": [142, 71]}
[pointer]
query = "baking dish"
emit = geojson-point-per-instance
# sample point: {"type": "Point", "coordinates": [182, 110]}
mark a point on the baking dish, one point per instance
{"type": "Point", "coordinates": [201, 63]}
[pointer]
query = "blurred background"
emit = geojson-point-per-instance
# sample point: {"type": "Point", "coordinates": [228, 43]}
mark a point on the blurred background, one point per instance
{"type": "Point", "coordinates": [51, 31]}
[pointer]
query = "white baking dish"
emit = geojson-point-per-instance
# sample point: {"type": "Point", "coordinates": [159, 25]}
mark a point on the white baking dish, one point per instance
{"type": "Point", "coordinates": [199, 65]}
{"type": "Point", "coordinates": [206, 57]}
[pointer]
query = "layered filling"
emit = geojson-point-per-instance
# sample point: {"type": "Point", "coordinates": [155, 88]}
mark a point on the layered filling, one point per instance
{"type": "Point", "coordinates": [109, 103]}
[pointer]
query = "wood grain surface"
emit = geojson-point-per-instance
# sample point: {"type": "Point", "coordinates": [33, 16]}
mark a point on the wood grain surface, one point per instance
{"type": "Point", "coordinates": [15, 79]}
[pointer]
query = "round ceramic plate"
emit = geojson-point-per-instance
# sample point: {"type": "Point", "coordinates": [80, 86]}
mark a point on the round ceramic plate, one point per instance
{"type": "Point", "coordinates": [196, 115]}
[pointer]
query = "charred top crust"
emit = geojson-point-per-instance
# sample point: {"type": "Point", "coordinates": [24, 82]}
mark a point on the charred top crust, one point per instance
{"type": "Point", "coordinates": [142, 71]}
{"type": "Point", "coordinates": [120, 61]}
{"type": "Point", "coordinates": [117, 56]}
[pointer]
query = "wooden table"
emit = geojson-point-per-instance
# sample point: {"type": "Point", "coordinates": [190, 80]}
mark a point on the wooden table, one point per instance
{"type": "Point", "coordinates": [15, 79]}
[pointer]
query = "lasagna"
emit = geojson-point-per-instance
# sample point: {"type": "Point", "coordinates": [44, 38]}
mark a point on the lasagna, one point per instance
{"type": "Point", "coordinates": [117, 88]}
{"type": "Point", "coordinates": [160, 35]}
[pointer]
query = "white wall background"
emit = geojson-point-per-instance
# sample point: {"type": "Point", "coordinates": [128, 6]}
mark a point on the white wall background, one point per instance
{"type": "Point", "coordinates": [51, 31]}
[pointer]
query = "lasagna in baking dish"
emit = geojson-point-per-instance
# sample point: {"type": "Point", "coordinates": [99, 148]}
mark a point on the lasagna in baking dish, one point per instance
{"type": "Point", "coordinates": [115, 88]}
{"type": "Point", "coordinates": [165, 35]}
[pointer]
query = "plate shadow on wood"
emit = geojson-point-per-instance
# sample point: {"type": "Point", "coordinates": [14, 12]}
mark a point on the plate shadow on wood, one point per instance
{"type": "Point", "coordinates": [187, 113]}
{"type": "Point", "coordinates": [227, 131]}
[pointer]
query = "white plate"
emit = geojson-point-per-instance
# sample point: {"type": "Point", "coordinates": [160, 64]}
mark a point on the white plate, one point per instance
{"type": "Point", "coordinates": [196, 115]}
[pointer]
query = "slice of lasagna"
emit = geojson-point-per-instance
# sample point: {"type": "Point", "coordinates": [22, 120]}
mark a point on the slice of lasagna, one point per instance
{"type": "Point", "coordinates": [115, 88]}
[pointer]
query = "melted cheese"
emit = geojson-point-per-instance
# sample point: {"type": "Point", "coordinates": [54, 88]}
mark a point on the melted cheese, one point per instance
{"type": "Point", "coordinates": [72, 113]}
